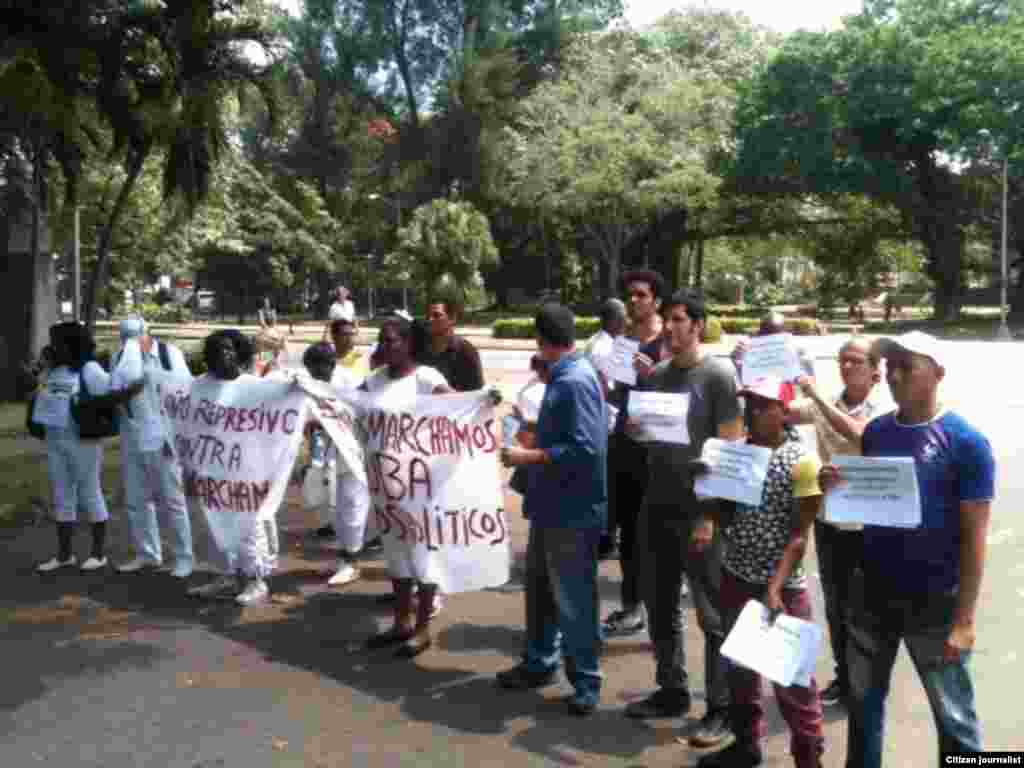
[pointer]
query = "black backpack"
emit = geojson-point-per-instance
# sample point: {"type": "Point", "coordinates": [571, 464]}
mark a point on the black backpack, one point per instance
{"type": "Point", "coordinates": [96, 416]}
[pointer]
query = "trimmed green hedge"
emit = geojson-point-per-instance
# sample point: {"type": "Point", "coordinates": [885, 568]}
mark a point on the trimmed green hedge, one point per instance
{"type": "Point", "coordinates": [800, 326]}
{"type": "Point", "coordinates": [522, 328]}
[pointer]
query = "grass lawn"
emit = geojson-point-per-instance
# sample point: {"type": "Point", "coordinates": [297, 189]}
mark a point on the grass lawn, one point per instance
{"type": "Point", "coordinates": [23, 475]}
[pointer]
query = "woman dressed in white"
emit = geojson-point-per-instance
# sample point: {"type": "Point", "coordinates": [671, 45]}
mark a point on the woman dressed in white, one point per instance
{"type": "Point", "coordinates": [246, 560]}
{"type": "Point", "coordinates": [74, 464]}
{"type": "Point", "coordinates": [401, 380]}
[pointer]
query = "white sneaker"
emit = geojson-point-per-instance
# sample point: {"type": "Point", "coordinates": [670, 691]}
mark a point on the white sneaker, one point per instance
{"type": "Point", "coordinates": [215, 587]}
{"type": "Point", "coordinates": [346, 574]}
{"type": "Point", "coordinates": [437, 605]}
{"type": "Point", "coordinates": [181, 570]}
{"type": "Point", "coordinates": [94, 564]}
{"type": "Point", "coordinates": [255, 591]}
{"type": "Point", "coordinates": [136, 564]}
{"type": "Point", "coordinates": [53, 564]}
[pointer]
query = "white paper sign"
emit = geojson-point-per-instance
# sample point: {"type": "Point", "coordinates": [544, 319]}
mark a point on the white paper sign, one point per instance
{"type": "Point", "coordinates": [875, 491]}
{"type": "Point", "coordinates": [436, 490]}
{"type": "Point", "coordinates": [784, 650]}
{"type": "Point", "coordinates": [623, 353]}
{"type": "Point", "coordinates": [773, 355]}
{"type": "Point", "coordinates": [660, 416]}
{"type": "Point", "coordinates": [737, 471]}
{"type": "Point", "coordinates": [237, 441]}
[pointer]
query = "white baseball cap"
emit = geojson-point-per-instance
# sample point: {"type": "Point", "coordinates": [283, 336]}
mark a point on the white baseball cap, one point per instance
{"type": "Point", "coordinates": [132, 327]}
{"type": "Point", "coordinates": [917, 342]}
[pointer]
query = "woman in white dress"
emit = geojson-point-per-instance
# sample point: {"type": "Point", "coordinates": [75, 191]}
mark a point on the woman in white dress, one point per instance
{"type": "Point", "coordinates": [245, 566]}
{"type": "Point", "coordinates": [401, 379]}
{"type": "Point", "coordinates": [75, 464]}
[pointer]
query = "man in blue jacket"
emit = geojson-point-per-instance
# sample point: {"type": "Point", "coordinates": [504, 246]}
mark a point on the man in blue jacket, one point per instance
{"type": "Point", "coordinates": [566, 503]}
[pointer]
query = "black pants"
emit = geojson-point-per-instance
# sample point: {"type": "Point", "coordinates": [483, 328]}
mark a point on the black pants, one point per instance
{"type": "Point", "coordinates": [664, 541]}
{"type": "Point", "coordinates": [840, 554]}
{"type": "Point", "coordinates": [627, 481]}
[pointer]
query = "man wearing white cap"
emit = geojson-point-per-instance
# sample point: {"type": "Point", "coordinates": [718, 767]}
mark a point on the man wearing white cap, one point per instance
{"type": "Point", "coordinates": [920, 586]}
{"type": "Point", "coordinates": [149, 467]}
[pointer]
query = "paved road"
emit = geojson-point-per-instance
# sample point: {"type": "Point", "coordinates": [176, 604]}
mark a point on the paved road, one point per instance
{"type": "Point", "coordinates": [118, 671]}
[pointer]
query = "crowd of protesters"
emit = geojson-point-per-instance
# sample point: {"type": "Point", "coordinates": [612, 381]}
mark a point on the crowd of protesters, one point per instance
{"type": "Point", "coordinates": [592, 489]}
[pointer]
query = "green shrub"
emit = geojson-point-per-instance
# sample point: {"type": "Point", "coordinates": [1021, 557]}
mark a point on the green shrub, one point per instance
{"type": "Point", "coordinates": [168, 313]}
{"type": "Point", "coordinates": [712, 330]}
{"type": "Point", "coordinates": [522, 328]}
{"type": "Point", "coordinates": [798, 326]}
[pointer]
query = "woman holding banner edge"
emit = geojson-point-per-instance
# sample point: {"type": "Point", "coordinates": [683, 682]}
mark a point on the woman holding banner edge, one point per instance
{"type": "Point", "coordinates": [399, 378]}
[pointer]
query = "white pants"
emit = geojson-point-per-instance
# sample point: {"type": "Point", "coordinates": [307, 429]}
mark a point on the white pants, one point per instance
{"type": "Point", "coordinates": [352, 510]}
{"type": "Point", "coordinates": [258, 548]}
{"type": "Point", "coordinates": [74, 468]}
{"type": "Point", "coordinates": [152, 482]}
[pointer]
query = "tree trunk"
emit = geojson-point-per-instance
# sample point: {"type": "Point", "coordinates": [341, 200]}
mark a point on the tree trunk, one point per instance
{"type": "Point", "coordinates": [698, 265]}
{"type": "Point", "coordinates": [98, 277]}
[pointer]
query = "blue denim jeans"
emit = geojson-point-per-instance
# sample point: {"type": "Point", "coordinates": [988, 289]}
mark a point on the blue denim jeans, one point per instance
{"type": "Point", "coordinates": [878, 623]}
{"type": "Point", "coordinates": [562, 605]}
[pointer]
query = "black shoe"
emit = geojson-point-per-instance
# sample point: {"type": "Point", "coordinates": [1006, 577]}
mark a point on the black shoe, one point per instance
{"type": "Point", "coordinates": [582, 706]}
{"type": "Point", "coordinates": [521, 678]}
{"type": "Point", "coordinates": [325, 531]}
{"type": "Point", "coordinates": [372, 547]}
{"type": "Point", "coordinates": [662, 703]}
{"type": "Point", "coordinates": [713, 730]}
{"type": "Point", "coordinates": [736, 755]}
{"type": "Point", "coordinates": [834, 694]}
{"type": "Point", "coordinates": [624, 623]}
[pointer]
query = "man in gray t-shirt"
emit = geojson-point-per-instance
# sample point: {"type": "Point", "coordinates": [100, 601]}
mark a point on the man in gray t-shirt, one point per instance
{"type": "Point", "coordinates": [713, 402]}
{"type": "Point", "coordinates": [675, 536]}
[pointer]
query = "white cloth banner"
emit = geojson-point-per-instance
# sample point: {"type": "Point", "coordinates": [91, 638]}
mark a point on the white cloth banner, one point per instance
{"type": "Point", "coordinates": [437, 502]}
{"type": "Point", "coordinates": [737, 471]}
{"type": "Point", "coordinates": [772, 355]}
{"type": "Point", "coordinates": [237, 441]}
{"type": "Point", "coordinates": [660, 416]}
{"type": "Point", "coordinates": [339, 418]}
{"type": "Point", "coordinates": [783, 650]}
{"type": "Point", "coordinates": [878, 490]}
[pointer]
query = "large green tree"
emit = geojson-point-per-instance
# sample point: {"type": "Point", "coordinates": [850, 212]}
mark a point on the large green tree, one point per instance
{"type": "Point", "coordinates": [889, 106]}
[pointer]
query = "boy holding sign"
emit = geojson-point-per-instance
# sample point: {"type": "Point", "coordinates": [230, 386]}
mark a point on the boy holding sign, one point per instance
{"type": "Point", "coordinates": [920, 585]}
{"type": "Point", "coordinates": [765, 544]}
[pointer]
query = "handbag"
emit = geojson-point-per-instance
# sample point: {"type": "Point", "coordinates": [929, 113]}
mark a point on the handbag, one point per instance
{"type": "Point", "coordinates": [96, 416]}
{"type": "Point", "coordinates": [32, 426]}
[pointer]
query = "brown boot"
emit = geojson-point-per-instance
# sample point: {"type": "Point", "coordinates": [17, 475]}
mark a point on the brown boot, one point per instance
{"type": "Point", "coordinates": [404, 626]}
{"type": "Point", "coordinates": [422, 638]}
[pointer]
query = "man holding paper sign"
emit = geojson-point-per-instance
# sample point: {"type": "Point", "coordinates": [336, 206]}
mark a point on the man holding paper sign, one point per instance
{"type": "Point", "coordinates": [920, 585]}
{"type": "Point", "coordinates": [765, 544]}
{"type": "Point", "coordinates": [676, 535]}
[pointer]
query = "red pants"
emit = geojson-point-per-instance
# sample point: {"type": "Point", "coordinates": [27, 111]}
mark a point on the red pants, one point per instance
{"type": "Point", "coordinates": [800, 707]}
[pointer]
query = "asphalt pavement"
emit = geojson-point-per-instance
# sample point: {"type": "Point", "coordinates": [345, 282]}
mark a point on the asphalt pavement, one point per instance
{"type": "Point", "coordinates": [114, 671]}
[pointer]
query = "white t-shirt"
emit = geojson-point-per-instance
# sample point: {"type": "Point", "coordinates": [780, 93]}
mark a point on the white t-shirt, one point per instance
{"type": "Point", "coordinates": [342, 310]}
{"type": "Point", "coordinates": [53, 403]}
{"type": "Point", "coordinates": [141, 423]}
{"type": "Point", "coordinates": [423, 381]}
{"type": "Point", "coordinates": [529, 399]}
{"type": "Point", "coordinates": [600, 352]}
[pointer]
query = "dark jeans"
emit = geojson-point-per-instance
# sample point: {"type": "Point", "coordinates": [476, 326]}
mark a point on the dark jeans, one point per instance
{"type": "Point", "coordinates": [800, 707]}
{"type": "Point", "coordinates": [879, 621]}
{"type": "Point", "coordinates": [663, 549]}
{"type": "Point", "coordinates": [840, 555]}
{"type": "Point", "coordinates": [627, 486]}
{"type": "Point", "coordinates": [562, 604]}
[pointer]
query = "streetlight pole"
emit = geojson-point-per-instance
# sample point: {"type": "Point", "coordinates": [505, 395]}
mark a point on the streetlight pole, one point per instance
{"type": "Point", "coordinates": [369, 286]}
{"type": "Point", "coordinates": [1004, 329]}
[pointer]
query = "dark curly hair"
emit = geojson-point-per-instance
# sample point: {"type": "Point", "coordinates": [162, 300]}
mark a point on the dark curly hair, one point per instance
{"type": "Point", "coordinates": [73, 345]}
